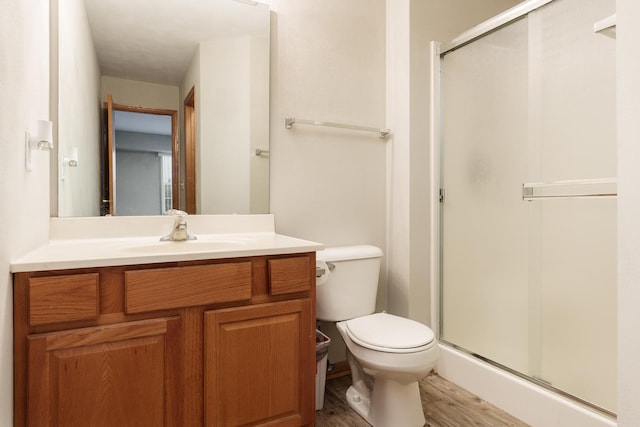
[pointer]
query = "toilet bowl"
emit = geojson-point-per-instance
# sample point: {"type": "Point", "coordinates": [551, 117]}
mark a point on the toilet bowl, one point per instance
{"type": "Point", "coordinates": [393, 398]}
{"type": "Point", "coordinates": [387, 354]}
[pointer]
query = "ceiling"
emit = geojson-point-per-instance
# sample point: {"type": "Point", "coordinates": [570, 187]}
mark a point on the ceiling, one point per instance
{"type": "Point", "coordinates": [154, 40]}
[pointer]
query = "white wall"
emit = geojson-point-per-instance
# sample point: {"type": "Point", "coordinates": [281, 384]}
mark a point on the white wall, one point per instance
{"type": "Point", "coordinates": [231, 94]}
{"type": "Point", "coordinates": [145, 94]}
{"type": "Point", "coordinates": [24, 211]}
{"type": "Point", "coordinates": [329, 185]}
{"type": "Point", "coordinates": [223, 155]}
{"type": "Point", "coordinates": [328, 63]}
{"type": "Point", "coordinates": [628, 110]}
{"type": "Point", "coordinates": [259, 165]}
{"type": "Point", "coordinates": [78, 87]}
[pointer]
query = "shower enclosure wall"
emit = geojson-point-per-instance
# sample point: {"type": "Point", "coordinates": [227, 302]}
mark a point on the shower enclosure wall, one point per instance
{"type": "Point", "coordinates": [528, 216]}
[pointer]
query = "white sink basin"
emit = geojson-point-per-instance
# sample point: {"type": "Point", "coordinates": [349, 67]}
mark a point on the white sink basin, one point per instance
{"type": "Point", "coordinates": [187, 246]}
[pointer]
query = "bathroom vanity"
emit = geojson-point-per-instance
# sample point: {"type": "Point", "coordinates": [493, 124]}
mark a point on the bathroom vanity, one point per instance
{"type": "Point", "coordinates": [220, 336]}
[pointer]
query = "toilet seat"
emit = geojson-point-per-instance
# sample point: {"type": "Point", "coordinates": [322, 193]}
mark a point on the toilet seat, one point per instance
{"type": "Point", "coordinates": [388, 333]}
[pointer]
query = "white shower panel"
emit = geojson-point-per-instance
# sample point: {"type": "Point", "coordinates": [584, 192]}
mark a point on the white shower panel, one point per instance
{"type": "Point", "coordinates": [529, 282]}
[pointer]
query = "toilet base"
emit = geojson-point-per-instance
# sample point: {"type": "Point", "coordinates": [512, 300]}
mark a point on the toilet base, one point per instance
{"type": "Point", "coordinates": [391, 404]}
{"type": "Point", "coordinates": [358, 402]}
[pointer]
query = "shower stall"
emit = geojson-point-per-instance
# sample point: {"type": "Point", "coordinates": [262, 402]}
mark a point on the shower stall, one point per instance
{"type": "Point", "coordinates": [528, 196]}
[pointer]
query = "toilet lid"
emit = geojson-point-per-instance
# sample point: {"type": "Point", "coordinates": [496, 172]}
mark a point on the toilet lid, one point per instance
{"type": "Point", "coordinates": [386, 332]}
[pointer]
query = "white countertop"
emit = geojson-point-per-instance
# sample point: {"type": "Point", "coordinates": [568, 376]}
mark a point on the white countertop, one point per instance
{"type": "Point", "coordinates": [111, 241]}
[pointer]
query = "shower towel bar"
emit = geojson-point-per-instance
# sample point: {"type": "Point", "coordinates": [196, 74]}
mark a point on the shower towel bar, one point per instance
{"type": "Point", "coordinates": [601, 187]}
{"type": "Point", "coordinates": [289, 121]}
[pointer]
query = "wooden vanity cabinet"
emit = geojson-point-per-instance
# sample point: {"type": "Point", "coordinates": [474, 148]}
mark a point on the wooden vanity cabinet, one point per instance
{"type": "Point", "coordinates": [117, 375]}
{"type": "Point", "coordinates": [256, 365]}
{"type": "Point", "coordinates": [202, 343]}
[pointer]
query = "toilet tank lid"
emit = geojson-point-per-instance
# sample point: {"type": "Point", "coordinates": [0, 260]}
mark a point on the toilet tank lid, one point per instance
{"type": "Point", "coordinates": [345, 253]}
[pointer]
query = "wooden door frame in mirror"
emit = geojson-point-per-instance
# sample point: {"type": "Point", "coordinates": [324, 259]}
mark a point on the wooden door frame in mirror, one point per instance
{"type": "Point", "coordinates": [175, 177]}
{"type": "Point", "coordinates": [190, 151]}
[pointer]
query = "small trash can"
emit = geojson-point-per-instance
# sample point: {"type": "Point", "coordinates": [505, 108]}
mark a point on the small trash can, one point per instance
{"type": "Point", "coordinates": [322, 354]}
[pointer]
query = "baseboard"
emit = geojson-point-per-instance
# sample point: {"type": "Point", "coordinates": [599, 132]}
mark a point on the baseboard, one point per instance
{"type": "Point", "coordinates": [340, 369]}
{"type": "Point", "coordinates": [524, 400]}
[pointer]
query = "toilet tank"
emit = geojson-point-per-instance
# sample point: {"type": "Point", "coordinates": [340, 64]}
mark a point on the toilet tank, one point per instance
{"type": "Point", "coordinates": [350, 289]}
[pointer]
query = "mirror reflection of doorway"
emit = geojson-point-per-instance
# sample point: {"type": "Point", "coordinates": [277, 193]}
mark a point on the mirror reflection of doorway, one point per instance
{"type": "Point", "coordinates": [143, 159]}
{"type": "Point", "coordinates": [190, 151]}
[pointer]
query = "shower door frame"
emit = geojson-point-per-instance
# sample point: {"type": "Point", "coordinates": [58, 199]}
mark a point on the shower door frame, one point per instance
{"type": "Point", "coordinates": [437, 192]}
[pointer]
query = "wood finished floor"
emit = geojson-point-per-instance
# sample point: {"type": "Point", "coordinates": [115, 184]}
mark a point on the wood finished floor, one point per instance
{"type": "Point", "coordinates": [445, 405]}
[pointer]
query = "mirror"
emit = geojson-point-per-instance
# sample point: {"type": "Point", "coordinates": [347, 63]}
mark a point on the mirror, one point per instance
{"type": "Point", "coordinates": [206, 63]}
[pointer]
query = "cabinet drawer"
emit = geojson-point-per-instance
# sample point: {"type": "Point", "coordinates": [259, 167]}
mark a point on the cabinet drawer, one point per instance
{"type": "Point", "coordinates": [289, 275]}
{"type": "Point", "coordinates": [56, 299]}
{"type": "Point", "coordinates": [165, 288]}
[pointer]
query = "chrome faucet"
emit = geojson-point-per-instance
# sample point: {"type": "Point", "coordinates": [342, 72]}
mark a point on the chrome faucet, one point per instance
{"type": "Point", "coordinates": [179, 229]}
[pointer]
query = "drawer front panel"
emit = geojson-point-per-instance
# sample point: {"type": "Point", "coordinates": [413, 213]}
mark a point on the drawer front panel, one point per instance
{"type": "Point", "coordinates": [166, 288]}
{"type": "Point", "coordinates": [55, 299]}
{"type": "Point", "coordinates": [289, 275]}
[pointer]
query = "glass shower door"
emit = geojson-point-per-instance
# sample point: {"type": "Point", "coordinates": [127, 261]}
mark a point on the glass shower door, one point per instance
{"type": "Point", "coordinates": [528, 221]}
{"type": "Point", "coordinates": [484, 236]}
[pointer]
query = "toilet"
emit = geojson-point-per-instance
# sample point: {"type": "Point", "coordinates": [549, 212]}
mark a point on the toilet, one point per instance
{"type": "Point", "coordinates": [387, 354]}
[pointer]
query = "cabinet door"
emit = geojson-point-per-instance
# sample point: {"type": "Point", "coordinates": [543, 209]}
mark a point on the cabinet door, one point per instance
{"type": "Point", "coordinates": [260, 365]}
{"type": "Point", "coordinates": [117, 375]}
